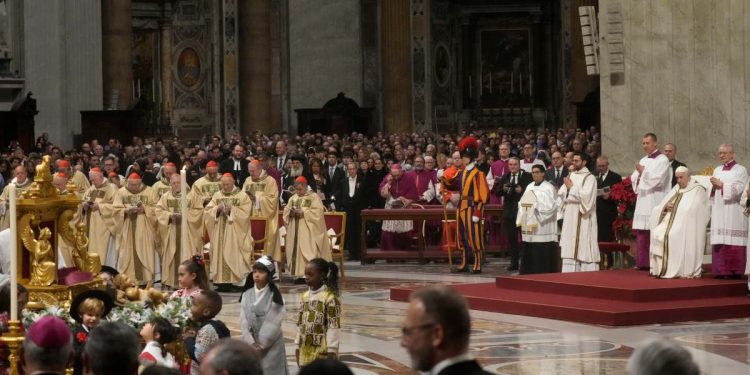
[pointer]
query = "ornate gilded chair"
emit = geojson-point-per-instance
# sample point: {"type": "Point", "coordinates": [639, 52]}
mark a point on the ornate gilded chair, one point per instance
{"type": "Point", "coordinates": [258, 229]}
{"type": "Point", "coordinates": [336, 221]}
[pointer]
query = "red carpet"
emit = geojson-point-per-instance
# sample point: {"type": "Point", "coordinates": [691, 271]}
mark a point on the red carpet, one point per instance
{"type": "Point", "coordinates": [614, 298]}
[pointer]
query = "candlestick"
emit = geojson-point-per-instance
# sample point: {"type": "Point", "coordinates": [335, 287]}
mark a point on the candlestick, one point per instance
{"type": "Point", "coordinates": [13, 252]}
{"type": "Point", "coordinates": [183, 212]}
{"type": "Point", "coordinates": [531, 84]}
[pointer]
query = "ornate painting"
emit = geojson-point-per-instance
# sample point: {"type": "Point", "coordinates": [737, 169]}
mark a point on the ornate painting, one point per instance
{"type": "Point", "coordinates": [442, 65]}
{"type": "Point", "coordinates": [189, 67]}
{"type": "Point", "coordinates": [505, 66]}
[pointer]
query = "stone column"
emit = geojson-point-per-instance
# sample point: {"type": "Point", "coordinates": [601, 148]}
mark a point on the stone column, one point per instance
{"type": "Point", "coordinates": [255, 66]}
{"type": "Point", "coordinates": [166, 69]}
{"type": "Point", "coordinates": [395, 29]}
{"type": "Point", "coordinates": [117, 40]}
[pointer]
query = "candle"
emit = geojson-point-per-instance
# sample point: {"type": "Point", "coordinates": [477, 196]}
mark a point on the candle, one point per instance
{"type": "Point", "coordinates": [183, 212]}
{"type": "Point", "coordinates": [531, 84]}
{"type": "Point", "coordinates": [13, 253]}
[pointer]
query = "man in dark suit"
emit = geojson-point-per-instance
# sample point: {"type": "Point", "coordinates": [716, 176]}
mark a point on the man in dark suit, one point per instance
{"type": "Point", "coordinates": [333, 175]}
{"type": "Point", "coordinates": [557, 172]}
{"type": "Point", "coordinates": [282, 157]}
{"type": "Point", "coordinates": [511, 187]}
{"type": "Point", "coordinates": [606, 208]}
{"type": "Point", "coordinates": [352, 198]}
{"type": "Point", "coordinates": [670, 151]}
{"type": "Point", "coordinates": [436, 333]}
{"type": "Point", "coordinates": [236, 165]}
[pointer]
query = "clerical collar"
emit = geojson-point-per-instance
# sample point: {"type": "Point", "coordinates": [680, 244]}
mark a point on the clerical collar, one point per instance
{"type": "Point", "coordinates": [352, 178]}
{"type": "Point", "coordinates": [470, 166]}
{"type": "Point", "coordinates": [28, 181]}
{"type": "Point", "coordinates": [234, 191]}
{"type": "Point", "coordinates": [728, 166]}
{"type": "Point", "coordinates": [538, 183]}
{"type": "Point", "coordinates": [654, 154]}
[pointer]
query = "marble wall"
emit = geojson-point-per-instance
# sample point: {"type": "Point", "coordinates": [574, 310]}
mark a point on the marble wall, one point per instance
{"type": "Point", "coordinates": [62, 55]}
{"type": "Point", "coordinates": [686, 78]}
{"type": "Point", "coordinates": [325, 52]}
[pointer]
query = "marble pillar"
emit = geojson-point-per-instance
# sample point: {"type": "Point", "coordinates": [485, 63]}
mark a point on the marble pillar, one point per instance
{"type": "Point", "coordinates": [395, 60]}
{"type": "Point", "coordinates": [255, 66]}
{"type": "Point", "coordinates": [685, 78]}
{"type": "Point", "coordinates": [165, 28]}
{"type": "Point", "coordinates": [117, 58]}
{"type": "Point", "coordinates": [62, 56]}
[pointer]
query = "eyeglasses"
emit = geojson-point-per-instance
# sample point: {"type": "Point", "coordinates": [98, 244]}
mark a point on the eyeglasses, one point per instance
{"type": "Point", "coordinates": [408, 331]}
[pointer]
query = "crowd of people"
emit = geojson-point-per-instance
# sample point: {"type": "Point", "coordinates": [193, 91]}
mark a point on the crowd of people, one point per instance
{"type": "Point", "coordinates": [435, 334]}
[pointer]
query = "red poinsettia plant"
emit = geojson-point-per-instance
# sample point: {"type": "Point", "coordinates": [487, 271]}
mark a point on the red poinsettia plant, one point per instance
{"type": "Point", "coordinates": [622, 193]}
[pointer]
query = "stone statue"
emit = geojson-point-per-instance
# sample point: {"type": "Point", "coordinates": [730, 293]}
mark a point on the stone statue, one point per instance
{"type": "Point", "coordinates": [43, 267]}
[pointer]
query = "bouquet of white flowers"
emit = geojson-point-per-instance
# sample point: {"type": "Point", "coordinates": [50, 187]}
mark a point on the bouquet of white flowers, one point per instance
{"type": "Point", "coordinates": [30, 316]}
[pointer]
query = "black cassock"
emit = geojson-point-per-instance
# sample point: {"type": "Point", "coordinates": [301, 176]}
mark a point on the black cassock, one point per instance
{"type": "Point", "coordinates": [606, 209]}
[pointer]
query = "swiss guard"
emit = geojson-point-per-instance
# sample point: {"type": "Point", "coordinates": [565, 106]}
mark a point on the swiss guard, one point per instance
{"type": "Point", "coordinates": [471, 184]}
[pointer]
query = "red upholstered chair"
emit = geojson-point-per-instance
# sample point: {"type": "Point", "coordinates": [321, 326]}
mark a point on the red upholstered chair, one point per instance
{"type": "Point", "coordinates": [281, 261]}
{"type": "Point", "coordinates": [259, 232]}
{"type": "Point", "coordinates": [337, 222]}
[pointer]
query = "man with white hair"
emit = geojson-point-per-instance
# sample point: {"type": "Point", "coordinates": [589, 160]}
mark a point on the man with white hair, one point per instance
{"type": "Point", "coordinates": [662, 357]}
{"type": "Point", "coordinates": [678, 229]}
{"type": "Point", "coordinates": [227, 219]}
{"type": "Point", "coordinates": [728, 222]}
{"type": "Point", "coordinates": [651, 182]}
{"type": "Point", "coordinates": [100, 223]}
{"type": "Point", "coordinates": [22, 183]}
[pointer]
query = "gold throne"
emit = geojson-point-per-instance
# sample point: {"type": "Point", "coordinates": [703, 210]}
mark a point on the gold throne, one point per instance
{"type": "Point", "coordinates": [44, 218]}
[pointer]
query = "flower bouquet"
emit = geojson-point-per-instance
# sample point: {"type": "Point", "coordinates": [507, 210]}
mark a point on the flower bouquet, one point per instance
{"type": "Point", "coordinates": [31, 316]}
{"type": "Point", "coordinates": [622, 193]}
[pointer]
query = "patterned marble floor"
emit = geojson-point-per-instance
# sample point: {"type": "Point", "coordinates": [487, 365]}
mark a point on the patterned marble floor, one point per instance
{"type": "Point", "coordinates": [504, 344]}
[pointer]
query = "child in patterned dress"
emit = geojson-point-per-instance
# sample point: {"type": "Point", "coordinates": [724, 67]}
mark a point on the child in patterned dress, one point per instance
{"type": "Point", "coordinates": [206, 305]}
{"type": "Point", "coordinates": [320, 313]}
{"type": "Point", "coordinates": [192, 278]}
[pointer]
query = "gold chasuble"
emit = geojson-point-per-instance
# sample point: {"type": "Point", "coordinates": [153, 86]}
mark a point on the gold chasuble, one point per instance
{"type": "Point", "coordinates": [231, 242]}
{"type": "Point", "coordinates": [101, 223]}
{"type": "Point", "coordinates": [158, 189]}
{"type": "Point", "coordinates": [4, 202]}
{"type": "Point", "coordinates": [306, 237]}
{"type": "Point", "coordinates": [136, 240]}
{"type": "Point", "coordinates": [80, 181]}
{"type": "Point", "coordinates": [169, 228]}
{"type": "Point", "coordinates": [204, 189]}
{"type": "Point", "coordinates": [264, 194]}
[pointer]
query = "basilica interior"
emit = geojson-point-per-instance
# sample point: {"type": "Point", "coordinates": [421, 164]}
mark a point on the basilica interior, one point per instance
{"type": "Point", "coordinates": [79, 70]}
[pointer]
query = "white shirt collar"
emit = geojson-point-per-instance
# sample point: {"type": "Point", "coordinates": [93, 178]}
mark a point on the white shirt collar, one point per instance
{"type": "Point", "coordinates": [442, 365]}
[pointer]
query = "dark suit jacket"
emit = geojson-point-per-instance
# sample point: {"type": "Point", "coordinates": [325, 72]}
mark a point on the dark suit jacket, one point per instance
{"type": "Point", "coordinates": [510, 206]}
{"type": "Point", "coordinates": [333, 181]}
{"type": "Point", "coordinates": [676, 164]}
{"type": "Point", "coordinates": [354, 204]}
{"type": "Point", "coordinates": [549, 175]}
{"type": "Point", "coordinates": [227, 166]}
{"type": "Point", "coordinates": [606, 209]}
{"type": "Point", "coordinates": [464, 368]}
{"type": "Point", "coordinates": [284, 161]}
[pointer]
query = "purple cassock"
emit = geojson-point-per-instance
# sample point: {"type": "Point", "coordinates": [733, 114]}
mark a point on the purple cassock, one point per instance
{"type": "Point", "coordinates": [497, 236]}
{"type": "Point", "coordinates": [422, 180]}
{"type": "Point", "coordinates": [395, 235]}
{"type": "Point", "coordinates": [273, 172]}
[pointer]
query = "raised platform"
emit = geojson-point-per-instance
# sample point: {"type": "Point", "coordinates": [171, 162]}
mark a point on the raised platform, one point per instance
{"type": "Point", "coordinates": [613, 298]}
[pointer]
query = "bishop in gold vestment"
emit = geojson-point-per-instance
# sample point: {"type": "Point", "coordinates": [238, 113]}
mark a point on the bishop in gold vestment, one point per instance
{"type": "Point", "coordinates": [306, 236]}
{"type": "Point", "coordinates": [98, 214]}
{"type": "Point", "coordinates": [227, 219]}
{"type": "Point", "coordinates": [264, 192]}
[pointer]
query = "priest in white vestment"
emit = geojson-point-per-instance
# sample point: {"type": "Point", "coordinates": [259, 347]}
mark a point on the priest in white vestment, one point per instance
{"type": "Point", "coordinates": [579, 247]}
{"type": "Point", "coordinates": [537, 217]}
{"type": "Point", "coordinates": [728, 221]}
{"type": "Point", "coordinates": [678, 230]}
{"type": "Point", "coordinates": [652, 180]}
